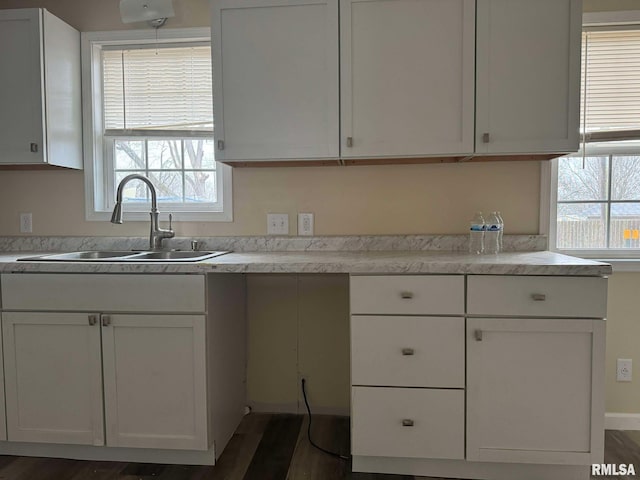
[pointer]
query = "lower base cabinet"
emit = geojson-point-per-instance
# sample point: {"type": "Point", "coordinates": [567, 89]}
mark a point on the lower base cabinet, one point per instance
{"type": "Point", "coordinates": [53, 377]}
{"type": "Point", "coordinates": [534, 390]}
{"type": "Point", "coordinates": [158, 373]}
{"type": "Point", "coordinates": [154, 379]}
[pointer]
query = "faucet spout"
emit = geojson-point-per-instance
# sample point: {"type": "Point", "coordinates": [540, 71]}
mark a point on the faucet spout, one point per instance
{"type": "Point", "coordinates": [156, 234]}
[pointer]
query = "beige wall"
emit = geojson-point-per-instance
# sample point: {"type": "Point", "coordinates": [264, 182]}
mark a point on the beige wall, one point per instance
{"type": "Point", "coordinates": [355, 200]}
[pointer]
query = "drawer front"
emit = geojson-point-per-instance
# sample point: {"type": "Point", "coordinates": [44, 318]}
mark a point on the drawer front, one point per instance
{"type": "Point", "coordinates": [407, 351]}
{"type": "Point", "coordinates": [581, 297]}
{"type": "Point", "coordinates": [433, 422]}
{"type": "Point", "coordinates": [408, 294]}
{"type": "Point", "coordinates": [103, 293]}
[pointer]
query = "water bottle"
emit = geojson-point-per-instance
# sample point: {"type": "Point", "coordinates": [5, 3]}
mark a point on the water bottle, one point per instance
{"type": "Point", "coordinates": [492, 234]}
{"type": "Point", "coordinates": [501, 234]}
{"type": "Point", "coordinates": [476, 234]}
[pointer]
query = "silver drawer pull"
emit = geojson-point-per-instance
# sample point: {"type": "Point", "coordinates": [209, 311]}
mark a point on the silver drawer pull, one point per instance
{"type": "Point", "coordinates": [407, 351]}
{"type": "Point", "coordinates": [106, 320]}
{"type": "Point", "coordinates": [93, 319]}
{"type": "Point", "coordinates": [477, 334]}
{"type": "Point", "coordinates": [407, 422]}
{"type": "Point", "coordinates": [406, 295]}
{"type": "Point", "coordinates": [538, 297]}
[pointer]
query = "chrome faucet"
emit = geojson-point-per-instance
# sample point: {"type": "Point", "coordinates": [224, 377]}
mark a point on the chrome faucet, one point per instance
{"type": "Point", "coordinates": [157, 234]}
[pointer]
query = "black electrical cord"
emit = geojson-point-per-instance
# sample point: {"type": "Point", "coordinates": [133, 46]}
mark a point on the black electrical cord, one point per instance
{"type": "Point", "coordinates": [328, 452]}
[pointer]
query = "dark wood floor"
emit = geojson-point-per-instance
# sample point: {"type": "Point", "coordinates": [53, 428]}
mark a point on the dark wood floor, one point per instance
{"type": "Point", "coordinates": [265, 447]}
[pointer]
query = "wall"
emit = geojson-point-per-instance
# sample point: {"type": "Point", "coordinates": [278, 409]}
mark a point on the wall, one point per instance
{"type": "Point", "coordinates": [346, 200]}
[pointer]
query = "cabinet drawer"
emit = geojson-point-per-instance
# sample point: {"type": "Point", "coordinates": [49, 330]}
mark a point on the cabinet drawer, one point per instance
{"type": "Point", "coordinates": [408, 294]}
{"type": "Point", "coordinates": [407, 351]}
{"type": "Point", "coordinates": [434, 418]}
{"type": "Point", "coordinates": [537, 296]}
{"type": "Point", "coordinates": [103, 293]}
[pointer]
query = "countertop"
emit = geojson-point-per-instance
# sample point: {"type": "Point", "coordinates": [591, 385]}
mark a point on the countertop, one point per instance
{"type": "Point", "coordinates": [372, 262]}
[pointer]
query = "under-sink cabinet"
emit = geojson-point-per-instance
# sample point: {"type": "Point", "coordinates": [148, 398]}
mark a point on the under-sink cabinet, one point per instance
{"type": "Point", "coordinates": [478, 376]}
{"type": "Point", "coordinates": [129, 361]}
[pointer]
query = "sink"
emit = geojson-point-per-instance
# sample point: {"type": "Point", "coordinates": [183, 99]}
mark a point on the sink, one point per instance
{"type": "Point", "coordinates": [126, 256]}
{"type": "Point", "coordinates": [80, 256]}
{"type": "Point", "coordinates": [172, 256]}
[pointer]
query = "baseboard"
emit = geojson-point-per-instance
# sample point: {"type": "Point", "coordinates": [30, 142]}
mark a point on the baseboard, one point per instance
{"type": "Point", "coordinates": [298, 409]}
{"type": "Point", "coordinates": [622, 421]}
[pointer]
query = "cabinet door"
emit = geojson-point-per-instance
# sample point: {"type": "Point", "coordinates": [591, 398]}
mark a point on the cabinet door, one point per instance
{"type": "Point", "coordinates": [53, 378]}
{"type": "Point", "coordinates": [528, 76]}
{"type": "Point", "coordinates": [21, 87]}
{"type": "Point", "coordinates": [535, 390]}
{"type": "Point", "coordinates": [154, 381]}
{"type": "Point", "coordinates": [407, 77]}
{"type": "Point", "coordinates": [275, 79]}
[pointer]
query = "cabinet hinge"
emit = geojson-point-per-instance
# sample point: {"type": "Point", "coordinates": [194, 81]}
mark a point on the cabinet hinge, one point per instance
{"type": "Point", "coordinates": [220, 144]}
{"type": "Point", "coordinates": [34, 147]}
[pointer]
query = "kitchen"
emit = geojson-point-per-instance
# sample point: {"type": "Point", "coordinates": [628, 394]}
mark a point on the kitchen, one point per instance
{"type": "Point", "coordinates": [372, 200]}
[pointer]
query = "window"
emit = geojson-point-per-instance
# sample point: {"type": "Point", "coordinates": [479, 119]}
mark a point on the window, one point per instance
{"type": "Point", "coordinates": [152, 113]}
{"type": "Point", "coordinates": [597, 199]}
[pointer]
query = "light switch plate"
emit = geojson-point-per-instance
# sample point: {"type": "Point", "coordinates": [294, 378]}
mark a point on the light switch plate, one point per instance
{"type": "Point", "coordinates": [277, 224]}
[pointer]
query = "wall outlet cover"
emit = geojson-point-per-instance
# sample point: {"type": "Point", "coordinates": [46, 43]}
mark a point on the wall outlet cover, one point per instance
{"type": "Point", "coordinates": [305, 224]}
{"type": "Point", "coordinates": [623, 370]}
{"type": "Point", "coordinates": [26, 223]}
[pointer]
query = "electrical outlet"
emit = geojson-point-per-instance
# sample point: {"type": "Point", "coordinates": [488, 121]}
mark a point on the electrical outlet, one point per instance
{"type": "Point", "coordinates": [277, 224]}
{"type": "Point", "coordinates": [305, 224]}
{"type": "Point", "coordinates": [623, 372]}
{"type": "Point", "coordinates": [26, 223]}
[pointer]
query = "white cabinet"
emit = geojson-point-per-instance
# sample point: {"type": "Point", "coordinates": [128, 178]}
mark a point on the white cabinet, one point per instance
{"type": "Point", "coordinates": [431, 371]}
{"type": "Point", "coordinates": [40, 118]}
{"type": "Point", "coordinates": [166, 352]}
{"type": "Point", "coordinates": [53, 377]}
{"type": "Point", "coordinates": [528, 76]}
{"type": "Point", "coordinates": [407, 77]}
{"type": "Point", "coordinates": [155, 381]}
{"type": "Point", "coordinates": [535, 390]}
{"type": "Point", "coordinates": [276, 79]}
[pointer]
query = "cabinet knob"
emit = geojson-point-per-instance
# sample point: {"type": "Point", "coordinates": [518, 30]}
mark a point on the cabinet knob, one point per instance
{"type": "Point", "coordinates": [406, 295]}
{"type": "Point", "coordinates": [93, 319]}
{"type": "Point", "coordinates": [349, 142]}
{"type": "Point", "coordinates": [477, 334]}
{"type": "Point", "coordinates": [220, 144]}
{"type": "Point", "coordinates": [538, 297]}
{"type": "Point", "coordinates": [34, 147]}
{"type": "Point", "coordinates": [486, 138]}
{"type": "Point", "coordinates": [407, 422]}
{"type": "Point", "coordinates": [106, 320]}
{"type": "Point", "coordinates": [407, 351]}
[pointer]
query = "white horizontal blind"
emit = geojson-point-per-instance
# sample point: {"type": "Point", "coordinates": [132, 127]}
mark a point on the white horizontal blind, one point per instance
{"type": "Point", "coordinates": [158, 88]}
{"type": "Point", "coordinates": [611, 76]}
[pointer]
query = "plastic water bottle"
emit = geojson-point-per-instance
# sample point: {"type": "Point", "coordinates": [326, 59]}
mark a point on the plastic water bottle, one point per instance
{"type": "Point", "coordinates": [492, 234]}
{"type": "Point", "coordinates": [500, 244]}
{"type": "Point", "coordinates": [476, 234]}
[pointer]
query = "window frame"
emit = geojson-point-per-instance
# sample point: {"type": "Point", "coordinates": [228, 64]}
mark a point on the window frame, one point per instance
{"type": "Point", "coordinates": [623, 259]}
{"type": "Point", "coordinates": [96, 162]}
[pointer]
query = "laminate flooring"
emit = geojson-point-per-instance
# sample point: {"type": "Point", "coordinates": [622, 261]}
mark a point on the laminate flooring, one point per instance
{"type": "Point", "coordinates": [264, 447]}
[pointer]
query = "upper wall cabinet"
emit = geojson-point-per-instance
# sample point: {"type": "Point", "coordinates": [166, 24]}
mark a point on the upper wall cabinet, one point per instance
{"type": "Point", "coordinates": [41, 114]}
{"type": "Point", "coordinates": [407, 77]}
{"type": "Point", "coordinates": [276, 79]}
{"type": "Point", "coordinates": [528, 76]}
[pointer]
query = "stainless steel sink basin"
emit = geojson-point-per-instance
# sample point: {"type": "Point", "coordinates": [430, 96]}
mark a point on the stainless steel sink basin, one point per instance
{"type": "Point", "coordinates": [125, 256]}
{"type": "Point", "coordinates": [172, 256]}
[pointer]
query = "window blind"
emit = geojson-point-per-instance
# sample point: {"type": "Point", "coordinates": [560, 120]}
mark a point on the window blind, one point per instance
{"type": "Point", "coordinates": [157, 89]}
{"type": "Point", "coordinates": [610, 104]}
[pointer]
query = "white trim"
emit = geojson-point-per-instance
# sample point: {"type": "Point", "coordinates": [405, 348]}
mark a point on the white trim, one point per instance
{"type": "Point", "coordinates": [93, 146]}
{"type": "Point", "coordinates": [622, 421]}
{"type": "Point", "coordinates": [601, 19]}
